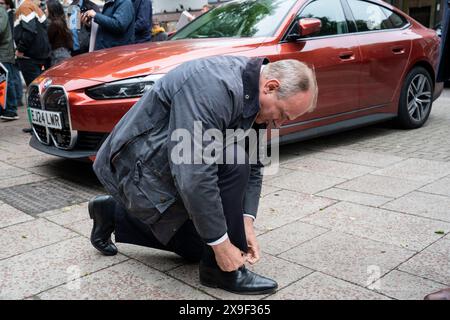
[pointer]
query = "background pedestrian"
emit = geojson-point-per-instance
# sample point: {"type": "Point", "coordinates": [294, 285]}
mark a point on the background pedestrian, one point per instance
{"type": "Point", "coordinates": [59, 34]}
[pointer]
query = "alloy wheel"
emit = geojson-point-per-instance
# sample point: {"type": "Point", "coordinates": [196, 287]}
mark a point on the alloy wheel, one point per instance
{"type": "Point", "coordinates": [419, 97]}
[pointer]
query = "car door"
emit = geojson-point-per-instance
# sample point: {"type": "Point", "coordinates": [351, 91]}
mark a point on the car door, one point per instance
{"type": "Point", "coordinates": [334, 55]}
{"type": "Point", "coordinates": [385, 47]}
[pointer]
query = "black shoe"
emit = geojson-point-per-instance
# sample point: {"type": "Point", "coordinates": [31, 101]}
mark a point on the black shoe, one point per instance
{"type": "Point", "coordinates": [241, 281]}
{"type": "Point", "coordinates": [26, 130]}
{"type": "Point", "coordinates": [9, 116]}
{"type": "Point", "coordinates": [101, 210]}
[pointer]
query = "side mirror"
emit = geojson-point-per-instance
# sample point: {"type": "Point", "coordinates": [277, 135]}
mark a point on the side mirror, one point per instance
{"type": "Point", "coordinates": [308, 26]}
{"type": "Point", "coordinates": [305, 27]}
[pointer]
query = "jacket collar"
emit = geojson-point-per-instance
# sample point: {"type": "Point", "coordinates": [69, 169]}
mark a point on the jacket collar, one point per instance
{"type": "Point", "coordinates": [250, 79]}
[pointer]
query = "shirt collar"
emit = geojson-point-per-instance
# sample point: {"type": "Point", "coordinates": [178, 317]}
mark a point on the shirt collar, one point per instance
{"type": "Point", "coordinates": [250, 79]}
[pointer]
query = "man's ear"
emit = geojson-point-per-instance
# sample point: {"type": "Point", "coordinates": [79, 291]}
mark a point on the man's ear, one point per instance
{"type": "Point", "coordinates": [272, 85]}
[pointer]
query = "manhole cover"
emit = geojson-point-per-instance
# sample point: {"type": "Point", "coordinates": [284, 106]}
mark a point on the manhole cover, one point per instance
{"type": "Point", "coordinates": [47, 195]}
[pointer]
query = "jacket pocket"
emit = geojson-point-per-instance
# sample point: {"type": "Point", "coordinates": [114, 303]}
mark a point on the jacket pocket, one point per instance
{"type": "Point", "coordinates": [124, 153]}
{"type": "Point", "coordinates": [156, 184]}
{"type": "Point", "coordinates": [136, 202]}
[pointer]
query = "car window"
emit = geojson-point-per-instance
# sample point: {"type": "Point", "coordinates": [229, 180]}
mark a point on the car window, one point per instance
{"type": "Point", "coordinates": [331, 14]}
{"type": "Point", "coordinates": [396, 20]}
{"type": "Point", "coordinates": [240, 18]}
{"type": "Point", "coordinates": [369, 16]}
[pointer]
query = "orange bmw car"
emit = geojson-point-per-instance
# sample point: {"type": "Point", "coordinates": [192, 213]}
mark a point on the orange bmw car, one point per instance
{"type": "Point", "coordinates": [372, 61]}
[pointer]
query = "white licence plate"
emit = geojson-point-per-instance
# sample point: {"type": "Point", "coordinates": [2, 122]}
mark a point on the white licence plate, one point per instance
{"type": "Point", "coordinates": [47, 119]}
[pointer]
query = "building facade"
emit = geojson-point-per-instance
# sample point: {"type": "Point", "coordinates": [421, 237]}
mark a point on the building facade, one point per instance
{"type": "Point", "coordinates": [427, 12]}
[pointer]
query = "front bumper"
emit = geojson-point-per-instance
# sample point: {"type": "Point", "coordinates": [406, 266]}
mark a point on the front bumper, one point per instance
{"type": "Point", "coordinates": [68, 154]}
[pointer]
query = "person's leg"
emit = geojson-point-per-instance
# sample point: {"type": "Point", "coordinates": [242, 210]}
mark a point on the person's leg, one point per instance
{"type": "Point", "coordinates": [232, 183]}
{"type": "Point", "coordinates": [128, 229]}
{"type": "Point", "coordinates": [10, 112]}
{"type": "Point", "coordinates": [186, 242]}
{"type": "Point", "coordinates": [26, 69]}
{"type": "Point", "coordinates": [110, 216]}
{"type": "Point", "coordinates": [233, 179]}
{"type": "Point", "coordinates": [18, 85]}
{"type": "Point", "coordinates": [30, 70]}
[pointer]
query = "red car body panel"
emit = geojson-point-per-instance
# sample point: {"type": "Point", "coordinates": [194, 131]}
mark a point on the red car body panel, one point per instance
{"type": "Point", "coordinates": [367, 83]}
{"type": "Point", "coordinates": [143, 59]}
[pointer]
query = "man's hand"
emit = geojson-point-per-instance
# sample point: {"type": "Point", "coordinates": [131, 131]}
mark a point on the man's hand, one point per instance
{"type": "Point", "coordinates": [90, 13]}
{"type": "Point", "coordinates": [87, 16]}
{"type": "Point", "coordinates": [19, 54]}
{"type": "Point", "coordinates": [228, 257]}
{"type": "Point", "coordinates": [253, 254]}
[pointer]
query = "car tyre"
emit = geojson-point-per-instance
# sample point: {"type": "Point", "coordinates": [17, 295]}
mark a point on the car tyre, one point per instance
{"type": "Point", "coordinates": [416, 99]}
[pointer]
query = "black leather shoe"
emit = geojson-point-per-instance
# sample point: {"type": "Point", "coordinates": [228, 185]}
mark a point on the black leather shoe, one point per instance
{"type": "Point", "coordinates": [101, 210]}
{"type": "Point", "coordinates": [241, 281]}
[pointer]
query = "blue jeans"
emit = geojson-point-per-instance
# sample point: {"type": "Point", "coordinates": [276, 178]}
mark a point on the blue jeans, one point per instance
{"type": "Point", "coordinates": [12, 95]}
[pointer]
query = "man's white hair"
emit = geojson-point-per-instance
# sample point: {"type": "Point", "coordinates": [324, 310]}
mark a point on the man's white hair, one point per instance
{"type": "Point", "coordinates": [294, 77]}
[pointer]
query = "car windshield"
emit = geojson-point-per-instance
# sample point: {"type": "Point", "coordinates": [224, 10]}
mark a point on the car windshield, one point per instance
{"type": "Point", "coordinates": [243, 18]}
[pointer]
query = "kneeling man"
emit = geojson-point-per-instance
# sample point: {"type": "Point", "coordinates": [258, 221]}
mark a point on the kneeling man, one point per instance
{"type": "Point", "coordinates": [202, 210]}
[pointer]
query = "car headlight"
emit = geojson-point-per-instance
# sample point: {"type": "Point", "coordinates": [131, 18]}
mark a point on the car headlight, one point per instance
{"type": "Point", "coordinates": [128, 88]}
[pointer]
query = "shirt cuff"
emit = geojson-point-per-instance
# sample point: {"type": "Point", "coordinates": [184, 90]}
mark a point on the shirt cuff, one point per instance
{"type": "Point", "coordinates": [219, 241]}
{"type": "Point", "coordinates": [249, 215]}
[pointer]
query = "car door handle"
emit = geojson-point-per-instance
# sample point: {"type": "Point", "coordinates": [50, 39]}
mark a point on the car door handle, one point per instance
{"type": "Point", "coordinates": [347, 56]}
{"type": "Point", "coordinates": [398, 50]}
